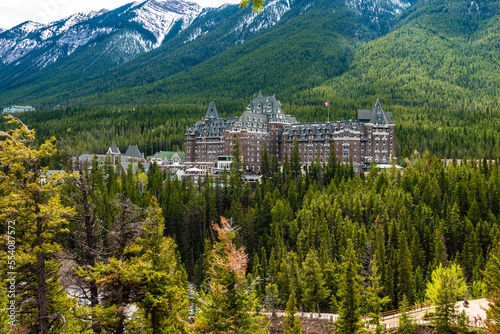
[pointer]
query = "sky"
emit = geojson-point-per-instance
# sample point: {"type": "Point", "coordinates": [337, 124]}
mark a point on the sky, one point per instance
{"type": "Point", "coordinates": [13, 12]}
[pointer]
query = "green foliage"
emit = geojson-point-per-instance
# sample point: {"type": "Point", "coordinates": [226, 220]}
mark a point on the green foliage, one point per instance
{"type": "Point", "coordinates": [315, 290]}
{"type": "Point", "coordinates": [374, 300]}
{"type": "Point", "coordinates": [405, 271]}
{"type": "Point", "coordinates": [291, 323]}
{"type": "Point", "coordinates": [462, 322]}
{"type": "Point", "coordinates": [492, 280]}
{"type": "Point", "coordinates": [349, 320]}
{"type": "Point", "coordinates": [32, 217]}
{"type": "Point", "coordinates": [257, 4]}
{"type": "Point", "coordinates": [407, 324]}
{"type": "Point", "coordinates": [454, 281]}
{"type": "Point", "coordinates": [306, 235]}
{"type": "Point", "coordinates": [446, 286]}
{"type": "Point", "coordinates": [160, 277]}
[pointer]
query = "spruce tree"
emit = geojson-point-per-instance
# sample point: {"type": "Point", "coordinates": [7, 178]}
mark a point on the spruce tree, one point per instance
{"type": "Point", "coordinates": [405, 271]}
{"type": "Point", "coordinates": [315, 290]}
{"type": "Point", "coordinates": [349, 320]}
{"type": "Point", "coordinates": [375, 301]}
{"type": "Point", "coordinates": [492, 280]}
{"type": "Point", "coordinates": [82, 193]}
{"type": "Point", "coordinates": [159, 276]}
{"type": "Point", "coordinates": [295, 160]}
{"type": "Point", "coordinates": [291, 323]}
{"type": "Point", "coordinates": [407, 324]}
{"type": "Point", "coordinates": [265, 169]}
{"type": "Point", "coordinates": [446, 286]}
{"type": "Point", "coordinates": [236, 170]}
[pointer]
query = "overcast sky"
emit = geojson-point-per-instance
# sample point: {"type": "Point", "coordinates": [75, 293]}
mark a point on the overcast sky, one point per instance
{"type": "Point", "coordinates": [13, 12]}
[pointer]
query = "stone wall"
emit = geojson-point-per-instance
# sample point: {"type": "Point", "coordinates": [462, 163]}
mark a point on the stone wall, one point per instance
{"type": "Point", "coordinates": [309, 326]}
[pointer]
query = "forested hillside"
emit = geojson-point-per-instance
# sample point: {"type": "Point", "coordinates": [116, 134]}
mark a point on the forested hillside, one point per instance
{"type": "Point", "coordinates": [440, 55]}
{"type": "Point", "coordinates": [389, 233]}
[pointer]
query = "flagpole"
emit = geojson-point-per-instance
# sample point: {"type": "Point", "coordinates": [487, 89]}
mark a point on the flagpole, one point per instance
{"type": "Point", "coordinates": [328, 111]}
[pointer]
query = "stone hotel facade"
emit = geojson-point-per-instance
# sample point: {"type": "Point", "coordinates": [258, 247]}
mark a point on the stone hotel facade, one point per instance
{"type": "Point", "coordinates": [371, 137]}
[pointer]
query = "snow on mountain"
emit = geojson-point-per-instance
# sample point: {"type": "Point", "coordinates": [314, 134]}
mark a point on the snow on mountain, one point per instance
{"type": "Point", "coordinates": [18, 41]}
{"type": "Point", "coordinates": [139, 21]}
{"type": "Point", "coordinates": [120, 35]}
{"type": "Point", "coordinates": [61, 26]}
{"type": "Point", "coordinates": [159, 17]}
{"type": "Point", "coordinates": [270, 15]}
{"type": "Point", "coordinates": [375, 8]}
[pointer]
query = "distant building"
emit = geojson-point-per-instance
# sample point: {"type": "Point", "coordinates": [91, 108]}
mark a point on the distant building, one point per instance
{"type": "Point", "coordinates": [16, 109]}
{"type": "Point", "coordinates": [168, 158]}
{"type": "Point", "coordinates": [371, 137]}
{"type": "Point", "coordinates": [114, 151]}
{"type": "Point", "coordinates": [133, 154]}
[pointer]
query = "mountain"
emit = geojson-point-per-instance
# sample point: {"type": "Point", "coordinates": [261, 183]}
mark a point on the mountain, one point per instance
{"type": "Point", "coordinates": [439, 54]}
{"type": "Point", "coordinates": [151, 42]}
{"type": "Point", "coordinates": [113, 37]}
{"type": "Point", "coordinates": [434, 65]}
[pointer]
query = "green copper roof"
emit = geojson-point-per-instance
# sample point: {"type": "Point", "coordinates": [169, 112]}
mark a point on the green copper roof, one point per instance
{"type": "Point", "coordinates": [168, 155]}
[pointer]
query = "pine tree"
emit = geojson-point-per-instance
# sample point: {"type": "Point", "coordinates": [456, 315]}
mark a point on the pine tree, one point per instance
{"type": "Point", "coordinates": [492, 280]}
{"type": "Point", "coordinates": [407, 324]}
{"type": "Point", "coordinates": [31, 207]}
{"type": "Point", "coordinates": [155, 180]}
{"type": "Point", "coordinates": [236, 170]}
{"type": "Point", "coordinates": [228, 305]}
{"type": "Point", "coordinates": [266, 165]}
{"type": "Point", "coordinates": [405, 271]}
{"type": "Point", "coordinates": [295, 160]}
{"type": "Point", "coordinates": [349, 321]}
{"type": "Point", "coordinates": [375, 301]}
{"type": "Point", "coordinates": [445, 311]}
{"type": "Point", "coordinates": [315, 290]}
{"type": "Point", "coordinates": [159, 276]}
{"type": "Point", "coordinates": [291, 323]}
{"type": "Point", "coordinates": [112, 275]}
{"type": "Point", "coordinates": [445, 287]}
{"type": "Point", "coordinates": [272, 297]}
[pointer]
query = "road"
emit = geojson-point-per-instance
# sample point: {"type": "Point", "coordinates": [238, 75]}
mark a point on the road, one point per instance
{"type": "Point", "coordinates": [475, 311]}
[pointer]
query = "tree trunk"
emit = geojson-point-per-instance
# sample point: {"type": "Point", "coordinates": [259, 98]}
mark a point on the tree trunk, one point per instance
{"type": "Point", "coordinates": [42, 284]}
{"type": "Point", "coordinates": [94, 301]}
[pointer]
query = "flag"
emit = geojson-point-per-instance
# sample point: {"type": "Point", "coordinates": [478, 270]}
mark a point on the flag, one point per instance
{"type": "Point", "coordinates": [326, 104]}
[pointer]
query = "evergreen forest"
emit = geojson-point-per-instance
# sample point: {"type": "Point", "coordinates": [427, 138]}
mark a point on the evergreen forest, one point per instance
{"type": "Point", "coordinates": [321, 239]}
